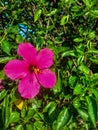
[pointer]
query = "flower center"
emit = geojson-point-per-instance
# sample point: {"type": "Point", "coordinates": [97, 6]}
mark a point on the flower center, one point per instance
{"type": "Point", "coordinates": [34, 70]}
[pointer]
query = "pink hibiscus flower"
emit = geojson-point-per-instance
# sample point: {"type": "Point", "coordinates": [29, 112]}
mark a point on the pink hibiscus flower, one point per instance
{"type": "Point", "coordinates": [32, 71]}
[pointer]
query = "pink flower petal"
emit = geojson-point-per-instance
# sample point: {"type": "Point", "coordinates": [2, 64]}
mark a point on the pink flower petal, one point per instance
{"type": "Point", "coordinates": [45, 58]}
{"type": "Point", "coordinates": [28, 52]}
{"type": "Point", "coordinates": [29, 87]}
{"type": "Point", "coordinates": [15, 69]}
{"type": "Point", "coordinates": [47, 78]}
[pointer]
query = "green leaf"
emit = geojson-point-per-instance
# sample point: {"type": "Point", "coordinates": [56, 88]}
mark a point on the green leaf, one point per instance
{"type": "Point", "coordinates": [6, 112]}
{"type": "Point", "coordinates": [23, 112]}
{"type": "Point", "coordinates": [95, 92]}
{"type": "Point", "coordinates": [68, 53]}
{"type": "Point", "coordinates": [88, 3]}
{"type": "Point", "coordinates": [3, 94]}
{"type": "Point", "coordinates": [51, 110]}
{"type": "Point", "coordinates": [31, 112]}
{"type": "Point", "coordinates": [94, 60]}
{"type": "Point", "coordinates": [7, 115]}
{"type": "Point", "coordinates": [83, 114]}
{"type": "Point", "coordinates": [79, 39]}
{"type": "Point", "coordinates": [92, 109]}
{"type": "Point", "coordinates": [64, 20]}
{"type": "Point", "coordinates": [6, 59]}
{"type": "Point", "coordinates": [92, 35]}
{"type": "Point", "coordinates": [14, 117]}
{"type": "Point", "coordinates": [80, 59]}
{"type": "Point", "coordinates": [52, 113]}
{"type": "Point", "coordinates": [51, 13]}
{"type": "Point", "coordinates": [19, 127]}
{"type": "Point", "coordinates": [36, 104]}
{"type": "Point", "coordinates": [94, 77]}
{"type": "Point", "coordinates": [78, 89]}
{"type": "Point", "coordinates": [48, 106]}
{"type": "Point", "coordinates": [73, 126]}
{"type": "Point", "coordinates": [76, 103]}
{"type": "Point", "coordinates": [37, 14]}
{"type": "Point", "coordinates": [6, 47]}
{"type": "Point", "coordinates": [76, 9]}
{"type": "Point", "coordinates": [72, 81]}
{"type": "Point", "coordinates": [2, 74]}
{"type": "Point", "coordinates": [29, 127]}
{"type": "Point", "coordinates": [94, 13]}
{"type": "Point", "coordinates": [83, 68]}
{"type": "Point", "coordinates": [62, 119]}
{"type": "Point", "coordinates": [2, 8]}
{"type": "Point", "coordinates": [38, 116]}
{"type": "Point", "coordinates": [57, 88]}
{"type": "Point", "coordinates": [39, 125]}
{"type": "Point", "coordinates": [93, 51]}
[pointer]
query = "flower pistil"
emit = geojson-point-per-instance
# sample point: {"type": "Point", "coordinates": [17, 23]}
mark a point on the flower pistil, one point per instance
{"type": "Point", "coordinates": [34, 69]}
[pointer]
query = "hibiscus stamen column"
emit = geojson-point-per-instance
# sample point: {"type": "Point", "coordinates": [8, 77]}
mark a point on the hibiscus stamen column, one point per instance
{"type": "Point", "coordinates": [34, 69]}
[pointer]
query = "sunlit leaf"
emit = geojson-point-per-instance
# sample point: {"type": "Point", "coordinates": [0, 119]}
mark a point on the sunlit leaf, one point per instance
{"type": "Point", "coordinates": [84, 115]}
{"type": "Point", "coordinates": [6, 47]}
{"type": "Point", "coordinates": [14, 117]}
{"type": "Point", "coordinates": [64, 20]}
{"type": "Point", "coordinates": [37, 14]}
{"type": "Point", "coordinates": [72, 81]}
{"type": "Point", "coordinates": [83, 68]}
{"type": "Point", "coordinates": [6, 59]}
{"type": "Point", "coordinates": [92, 109]}
{"type": "Point", "coordinates": [3, 94]}
{"type": "Point", "coordinates": [57, 88]}
{"type": "Point", "coordinates": [29, 127]}
{"type": "Point", "coordinates": [18, 127]}
{"type": "Point", "coordinates": [62, 119]}
{"type": "Point", "coordinates": [78, 89]}
{"type": "Point", "coordinates": [51, 13]}
{"type": "Point", "coordinates": [6, 112]}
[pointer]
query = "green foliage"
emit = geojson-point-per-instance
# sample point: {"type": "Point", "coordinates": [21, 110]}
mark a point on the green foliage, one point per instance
{"type": "Point", "coordinates": [70, 29]}
{"type": "Point", "coordinates": [14, 117]}
{"type": "Point", "coordinates": [92, 109]}
{"type": "Point", "coordinates": [37, 15]}
{"type": "Point", "coordinates": [62, 119]}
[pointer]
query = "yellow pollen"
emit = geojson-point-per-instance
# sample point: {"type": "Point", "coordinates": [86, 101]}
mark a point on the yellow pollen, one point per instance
{"type": "Point", "coordinates": [36, 70]}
